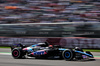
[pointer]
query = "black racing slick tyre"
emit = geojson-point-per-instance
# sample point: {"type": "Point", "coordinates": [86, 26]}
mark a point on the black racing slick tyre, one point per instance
{"type": "Point", "coordinates": [68, 55]}
{"type": "Point", "coordinates": [17, 53]}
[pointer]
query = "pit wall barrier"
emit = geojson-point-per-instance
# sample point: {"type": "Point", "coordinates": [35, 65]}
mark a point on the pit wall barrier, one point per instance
{"type": "Point", "coordinates": [67, 42]}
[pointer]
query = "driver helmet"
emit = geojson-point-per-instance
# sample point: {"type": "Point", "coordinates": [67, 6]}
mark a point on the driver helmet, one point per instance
{"type": "Point", "coordinates": [77, 48]}
{"type": "Point", "coordinates": [50, 46]}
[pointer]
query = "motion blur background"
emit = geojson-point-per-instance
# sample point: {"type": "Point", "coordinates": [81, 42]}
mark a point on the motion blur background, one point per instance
{"type": "Point", "coordinates": [49, 11]}
{"type": "Point", "coordinates": [68, 23]}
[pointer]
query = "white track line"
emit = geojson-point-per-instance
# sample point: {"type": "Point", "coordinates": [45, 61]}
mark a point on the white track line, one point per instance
{"type": "Point", "coordinates": [51, 23]}
{"type": "Point", "coordinates": [5, 53]}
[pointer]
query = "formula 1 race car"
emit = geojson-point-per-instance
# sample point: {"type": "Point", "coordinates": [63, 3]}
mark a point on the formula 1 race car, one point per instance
{"type": "Point", "coordinates": [45, 50]}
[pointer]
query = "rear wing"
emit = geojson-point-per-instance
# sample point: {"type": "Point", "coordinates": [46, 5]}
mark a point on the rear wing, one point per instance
{"type": "Point", "coordinates": [17, 45]}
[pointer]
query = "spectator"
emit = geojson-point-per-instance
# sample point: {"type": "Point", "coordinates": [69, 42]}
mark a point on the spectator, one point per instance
{"type": "Point", "coordinates": [49, 11]}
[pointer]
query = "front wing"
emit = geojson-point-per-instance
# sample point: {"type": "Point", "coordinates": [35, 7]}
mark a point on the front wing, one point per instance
{"type": "Point", "coordinates": [84, 54]}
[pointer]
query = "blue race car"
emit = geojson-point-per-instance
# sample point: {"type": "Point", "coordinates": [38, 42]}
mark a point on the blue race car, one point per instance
{"type": "Point", "coordinates": [45, 50]}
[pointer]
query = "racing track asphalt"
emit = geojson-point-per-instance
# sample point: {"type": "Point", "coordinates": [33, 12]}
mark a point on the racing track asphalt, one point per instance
{"type": "Point", "coordinates": [7, 60]}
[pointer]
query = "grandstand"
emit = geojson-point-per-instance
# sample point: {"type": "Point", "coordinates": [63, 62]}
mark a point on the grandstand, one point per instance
{"type": "Point", "coordinates": [49, 11]}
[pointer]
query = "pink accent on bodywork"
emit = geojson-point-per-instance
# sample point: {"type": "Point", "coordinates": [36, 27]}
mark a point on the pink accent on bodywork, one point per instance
{"type": "Point", "coordinates": [32, 53]}
{"type": "Point", "coordinates": [25, 49]}
{"type": "Point", "coordinates": [45, 52]}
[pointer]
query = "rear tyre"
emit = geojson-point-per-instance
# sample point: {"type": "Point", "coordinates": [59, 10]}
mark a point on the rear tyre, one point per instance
{"type": "Point", "coordinates": [17, 53]}
{"type": "Point", "coordinates": [68, 55]}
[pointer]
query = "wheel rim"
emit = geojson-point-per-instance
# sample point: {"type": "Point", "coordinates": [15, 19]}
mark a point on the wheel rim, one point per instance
{"type": "Point", "coordinates": [15, 53]}
{"type": "Point", "coordinates": [67, 54]}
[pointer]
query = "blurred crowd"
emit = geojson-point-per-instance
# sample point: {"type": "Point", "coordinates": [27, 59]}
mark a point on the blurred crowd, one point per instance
{"type": "Point", "coordinates": [49, 11]}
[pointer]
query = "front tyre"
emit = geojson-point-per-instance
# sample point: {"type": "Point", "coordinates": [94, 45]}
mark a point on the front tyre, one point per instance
{"type": "Point", "coordinates": [17, 53]}
{"type": "Point", "coordinates": [68, 55]}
